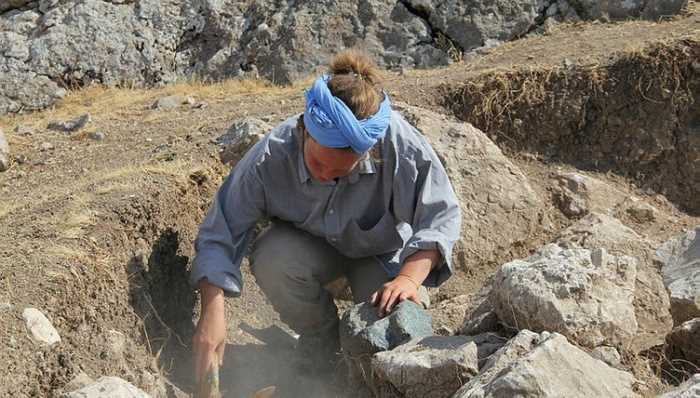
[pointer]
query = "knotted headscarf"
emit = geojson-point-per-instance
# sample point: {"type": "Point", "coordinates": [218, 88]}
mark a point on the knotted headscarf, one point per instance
{"type": "Point", "coordinates": [332, 124]}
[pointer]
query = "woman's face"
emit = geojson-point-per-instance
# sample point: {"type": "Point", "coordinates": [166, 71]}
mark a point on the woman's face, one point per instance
{"type": "Point", "coordinates": [326, 163]}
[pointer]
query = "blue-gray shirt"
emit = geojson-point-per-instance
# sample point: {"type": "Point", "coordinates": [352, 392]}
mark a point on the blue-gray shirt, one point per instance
{"type": "Point", "coordinates": [389, 206]}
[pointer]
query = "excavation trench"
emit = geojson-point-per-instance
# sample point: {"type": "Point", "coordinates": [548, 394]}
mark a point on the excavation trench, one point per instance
{"type": "Point", "coordinates": [637, 116]}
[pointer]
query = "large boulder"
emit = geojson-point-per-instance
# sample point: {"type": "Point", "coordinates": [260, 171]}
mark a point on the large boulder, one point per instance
{"type": "Point", "coordinates": [434, 366]}
{"type": "Point", "coordinates": [683, 345]}
{"type": "Point", "coordinates": [680, 262]}
{"type": "Point", "coordinates": [583, 294]}
{"type": "Point", "coordinates": [651, 302]}
{"type": "Point", "coordinates": [499, 206]}
{"type": "Point", "coordinates": [546, 365]}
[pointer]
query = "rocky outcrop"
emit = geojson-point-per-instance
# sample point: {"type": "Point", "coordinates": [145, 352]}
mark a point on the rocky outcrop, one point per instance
{"type": "Point", "coordinates": [584, 294]}
{"type": "Point", "coordinates": [49, 46]}
{"type": "Point", "coordinates": [546, 365]}
{"type": "Point", "coordinates": [680, 262]}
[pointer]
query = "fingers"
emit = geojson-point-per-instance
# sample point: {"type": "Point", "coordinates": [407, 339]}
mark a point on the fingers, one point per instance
{"type": "Point", "coordinates": [393, 299]}
{"type": "Point", "coordinates": [373, 298]}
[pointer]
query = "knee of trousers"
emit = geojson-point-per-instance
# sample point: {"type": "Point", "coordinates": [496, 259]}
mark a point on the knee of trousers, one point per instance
{"type": "Point", "coordinates": [293, 290]}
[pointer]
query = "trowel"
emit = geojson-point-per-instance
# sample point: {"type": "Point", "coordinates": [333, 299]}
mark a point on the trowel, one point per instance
{"type": "Point", "coordinates": [209, 387]}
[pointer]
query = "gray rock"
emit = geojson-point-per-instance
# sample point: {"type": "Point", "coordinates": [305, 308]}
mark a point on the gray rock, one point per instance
{"type": "Point", "coordinates": [4, 152]}
{"type": "Point", "coordinates": [23, 129]}
{"type": "Point", "coordinates": [12, 4]}
{"type": "Point", "coordinates": [577, 194]}
{"type": "Point", "coordinates": [169, 102]}
{"type": "Point", "coordinates": [40, 327]}
{"type": "Point", "coordinates": [434, 366]}
{"type": "Point", "coordinates": [607, 354]}
{"type": "Point", "coordinates": [680, 261]}
{"type": "Point", "coordinates": [651, 301]}
{"type": "Point", "coordinates": [585, 295]}
{"type": "Point", "coordinates": [683, 345]}
{"type": "Point", "coordinates": [689, 389]}
{"type": "Point", "coordinates": [71, 125]}
{"type": "Point", "coordinates": [546, 365]}
{"type": "Point", "coordinates": [571, 197]}
{"type": "Point", "coordinates": [97, 136]}
{"type": "Point", "coordinates": [242, 135]}
{"type": "Point", "coordinates": [108, 387]}
{"type": "Point", "coordinates": [363, 333]}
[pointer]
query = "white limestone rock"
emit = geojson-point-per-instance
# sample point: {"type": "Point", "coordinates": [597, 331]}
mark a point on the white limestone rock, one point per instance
{"type": "Point", "coordinates": [586, 295]}
{"type": "Point", "coordinates": [40, 327]}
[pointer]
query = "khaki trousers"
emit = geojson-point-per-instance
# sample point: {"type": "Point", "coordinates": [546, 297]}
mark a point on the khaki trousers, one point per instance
{"type": "Point", "coordinates": [291, 266]}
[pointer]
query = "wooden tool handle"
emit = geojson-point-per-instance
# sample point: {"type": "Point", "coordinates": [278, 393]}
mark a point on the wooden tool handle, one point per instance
{"type": "Point", "coordinates": [209, 386]}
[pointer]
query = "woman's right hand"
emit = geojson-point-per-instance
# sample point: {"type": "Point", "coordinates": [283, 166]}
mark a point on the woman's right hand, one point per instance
{"type": "Point", "coordinates": [209, 338]}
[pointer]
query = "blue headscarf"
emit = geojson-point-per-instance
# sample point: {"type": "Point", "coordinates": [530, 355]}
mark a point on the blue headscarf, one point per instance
{"type": "Point", "coordinates": [332, 123]}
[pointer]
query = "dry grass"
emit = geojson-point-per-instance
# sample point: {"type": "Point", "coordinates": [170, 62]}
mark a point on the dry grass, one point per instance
{"type": "Point", "coordinates": [110, 103]}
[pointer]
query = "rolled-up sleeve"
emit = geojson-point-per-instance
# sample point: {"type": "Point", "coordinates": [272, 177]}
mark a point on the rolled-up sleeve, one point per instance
{"type": "Point", "coordinates": [226, 231]}
{"type": "Point", "coordinates": [436, 217]}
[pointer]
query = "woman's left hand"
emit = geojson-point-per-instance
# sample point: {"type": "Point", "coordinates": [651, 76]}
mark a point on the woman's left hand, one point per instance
{"type": "Point", "coordinates": [392, 293]}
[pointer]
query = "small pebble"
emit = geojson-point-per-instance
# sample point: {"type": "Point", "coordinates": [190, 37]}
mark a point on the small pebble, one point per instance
{"type": "Point", "coordinates": [97, 136]}
{"type": "Point", "coordinates": [46, 146]}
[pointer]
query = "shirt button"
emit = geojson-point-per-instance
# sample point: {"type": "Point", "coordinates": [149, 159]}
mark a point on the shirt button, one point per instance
{"type": "Point", "coordinates": [331, 211]}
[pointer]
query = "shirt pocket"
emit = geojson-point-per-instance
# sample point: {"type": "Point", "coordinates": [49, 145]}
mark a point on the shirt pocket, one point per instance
{"type": "Point", "coordinates": [379, 239]}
